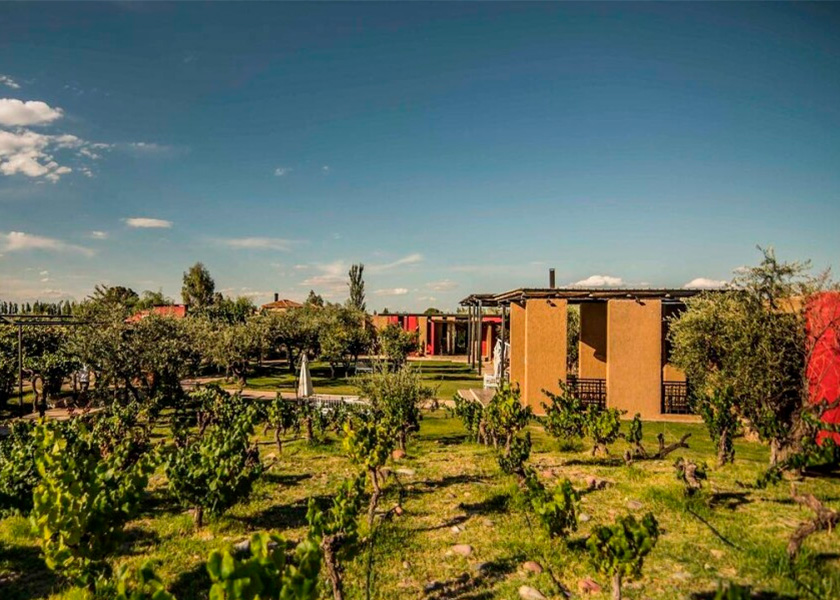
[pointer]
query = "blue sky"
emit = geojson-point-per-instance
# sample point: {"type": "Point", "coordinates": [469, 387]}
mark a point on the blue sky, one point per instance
{"type": "Point", "coordinates": [452, 148]}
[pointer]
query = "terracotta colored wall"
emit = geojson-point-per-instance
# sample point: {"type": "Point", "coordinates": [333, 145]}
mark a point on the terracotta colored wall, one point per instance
{"type": "Point", "coordinates": [634, 357]}
{"type": "Point", "coordinates": [593, 340]}
{"type": "Point", "coordinates": [823, 320]}
{"type": "Point", "coordinates": [545, 349]}
{"type": "Point", "coordinates": [517, 346]}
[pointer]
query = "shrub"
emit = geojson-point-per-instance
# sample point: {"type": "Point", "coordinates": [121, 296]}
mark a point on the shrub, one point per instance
{"type": "Point", "coordinates": [471, 414]}
{"type": "Point", "coordinates": [556, 510]}
{"type": "Point", "coordinates": [505, 416]}
{"type": "Point", "coordinates": [564, 416]}
{"type": "Point", "coordinates": [18, 471]}
{"type": "Point", "coordinates": [268, 574]}
{"type": "Point", "coordinates": [619, 550]}
{"type": "Point", "coordinates": [338, 529]}
{"type": "Point", "coordinates": [215, 470]}
{"type": "Point", "coordinates": [83, 499]}
{"type": "Point", "coordinates": [369, 443]}
{"type": "Point", "coordinates": [396, 343]}
{"type": "Point", "coordinates": [397, 396]}
{"type": "Point", "coordinates": [281, 416]}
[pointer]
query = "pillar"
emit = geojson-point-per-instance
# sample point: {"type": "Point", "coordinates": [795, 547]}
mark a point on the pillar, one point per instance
{"type": "Point", "coordinates": [517, 347]}
{"type": "Point", "coordinates": [634, 357]}
{"type": "Point", "coordinates": [545, 349]}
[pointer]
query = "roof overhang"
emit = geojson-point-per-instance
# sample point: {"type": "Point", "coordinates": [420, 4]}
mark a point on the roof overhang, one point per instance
{"type": "Point", "coordinates": [581, 294]}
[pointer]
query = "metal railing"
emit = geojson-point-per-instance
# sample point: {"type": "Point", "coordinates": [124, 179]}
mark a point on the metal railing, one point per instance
{"type": "Point", "coordinates": [590, 391]}
{"type": "Point", "coordinates": [675, 398]}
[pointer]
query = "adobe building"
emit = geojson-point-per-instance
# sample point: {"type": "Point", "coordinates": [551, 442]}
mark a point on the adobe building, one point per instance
{"type": "Point", "coordinates": [623, 347]}
{"type": "Point", "coordinates": [446, 334]}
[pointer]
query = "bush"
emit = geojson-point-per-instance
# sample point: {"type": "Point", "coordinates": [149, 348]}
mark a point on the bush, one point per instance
{"type": "Point", "coordinates": [267, 574]}
{"type": "Point", "coordinates": [83, 499]}
{"type": "Point", "coordinates": [216, 469]}
{"type": "Point", "coordinates": [619, 550]}
{"type": "Point", "coordinates": [18, 471]}
{"type": "Point", "coordinates": [396, 343]}
{"type": "Point", "coordinates": [397, 397]}
{"type": "Point", "coordinates": [369, 443]}
{"type": "Point", "coordinates": [556, 510]}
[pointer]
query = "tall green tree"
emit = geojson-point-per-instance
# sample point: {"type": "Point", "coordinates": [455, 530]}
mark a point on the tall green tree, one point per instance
{"type": "Point", "coordinates": [357, 287]}
{"type": "Point", "coordinates": [750, 345]}
{"type": "Point", "coordinates": [199, 287]}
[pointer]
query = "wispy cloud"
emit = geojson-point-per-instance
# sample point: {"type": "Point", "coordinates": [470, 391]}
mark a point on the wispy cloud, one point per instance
{"type": "Point", "coordinates": [706, 283]}
{"type": "Point", "coordinates": [330, 279]}
{"type": "Point", "coordinates": [444, 285]}
{"type": "Point", "coordinates": [325, 168]}
{"type": "Point", "coordinates": [29, 153]}
{"type": "Point", "coordinates": [391, 292]}
{"type": "Point", "coordinates": [98, 235]}
{"type": "Point", "coordinates": [17, 113]}
{"type": "Point", "coordinates": [147, 223]}
{"type": "Point", "coordinates": [282, 171]}
{"type": "Point", "coordinates": [259, 243]}
{"type": "Point", "coordinates": [9, 82]}
{"type": "Point", "coordinates": [19, 241]}
{"type": "Point", "coordinates": [405, 260]}
{"type": "Point", "coordinates": [600, 281]}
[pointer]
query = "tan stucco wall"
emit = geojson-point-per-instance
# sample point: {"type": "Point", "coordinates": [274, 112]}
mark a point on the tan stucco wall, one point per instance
{"type": "Point", "coordinates": [517, 346]}
{"type": "Point", "coordinates": [634, 351]}
{"type": "Point", "coordinates": [545, 349]}
{"type": "Point", "coordinates": [422, 335]}
{"type": "Point", "coordinates": [593, 340]}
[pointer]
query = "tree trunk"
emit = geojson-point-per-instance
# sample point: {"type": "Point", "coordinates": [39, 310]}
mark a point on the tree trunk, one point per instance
{"type": "Point", "coordinates": [329, 546]}
{"type": "Point", "coordinates": [824, 519]}
{"type": "Point", "coordinates": [278, 440]}
{"type": "Point", "coordinates": [774, 452]}
{"type": "Point", "coordinates": [198, 517]}
{"type": "Point", "coordinates": [402, 439]}
{"type": "Point", "coordinates": [374, 497]}
{"type": "Point", "coordinates": [616, 586]}
{"type": "Point", "coordinates": [723, 442]}
{"type": "Point", "coordinates": [309, 434]}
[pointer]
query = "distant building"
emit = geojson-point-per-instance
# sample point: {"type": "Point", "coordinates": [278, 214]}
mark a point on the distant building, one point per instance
{"type": "Point", "coordinates": [177, 311]}
{"type": "Point", "coordinates": [443, 334]}
{"type": "Point", "coordinates": [280, 304]}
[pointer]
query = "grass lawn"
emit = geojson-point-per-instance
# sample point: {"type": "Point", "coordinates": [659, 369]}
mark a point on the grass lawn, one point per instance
{"type": "Point", "coordinates": [445, 376]}
{"type": "Point", "coordinates": [449, 482]}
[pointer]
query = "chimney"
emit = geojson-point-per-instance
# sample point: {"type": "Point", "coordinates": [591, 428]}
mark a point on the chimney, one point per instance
{"type": "Point", "coordinates": [276, 296]}
{"type": "Point", "coordinates": [551, 278]}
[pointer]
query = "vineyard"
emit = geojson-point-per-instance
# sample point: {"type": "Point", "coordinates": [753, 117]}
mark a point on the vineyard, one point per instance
{"type": "Point", "coordinates": [174, 504]}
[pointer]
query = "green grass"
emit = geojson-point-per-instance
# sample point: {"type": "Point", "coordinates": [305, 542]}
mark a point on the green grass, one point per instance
{"type": "Point", "coordinates": [446, 377]}
{"type": "Point", "coordinates": [735, 534]}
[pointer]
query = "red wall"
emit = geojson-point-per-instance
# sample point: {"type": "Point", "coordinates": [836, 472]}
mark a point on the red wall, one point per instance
{"type": "Point", "coordinates": [824, 365]}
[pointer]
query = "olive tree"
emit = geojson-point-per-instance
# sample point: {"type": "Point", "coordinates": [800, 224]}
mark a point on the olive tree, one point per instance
{"type": "Point", "coordinates": [752, 342]}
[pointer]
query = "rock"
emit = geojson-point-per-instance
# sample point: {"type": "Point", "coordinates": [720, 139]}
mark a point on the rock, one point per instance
{"type": "Point", "coordinates": [526, 592]}
{"type": "Point", "coordinates": [634, 505]}
{"type": "Point", "coordinates": [584, 517]}
{"type": "Point", "coordinates": [462, 549]}
{"type": "Point", "coordinates": [532, 567]}
{"type": "Point", "coordinates": [398, 510]}
{"type": "Point", "coordinates": [455, 529]}
{"type": "Point", "coordinates": [404, 471]}
{"type": "Point", "coordinates": [406, 564]}
{"type": "Point", "coordinates": [242, 547]}
{"type": "Point", "coordinates": [588, 586]}
{"type": "Point", "coordinates": [716, 553]}
{"type": "Point", "coordinates": [489, 523]}
{"type": "Point", "coordinates": [432, 586]}
{"type": "Point", "coordinates": [398, 454]}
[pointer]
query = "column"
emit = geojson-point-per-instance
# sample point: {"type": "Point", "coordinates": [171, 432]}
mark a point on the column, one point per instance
{"type": "Point", "coordinates": [545, 349]}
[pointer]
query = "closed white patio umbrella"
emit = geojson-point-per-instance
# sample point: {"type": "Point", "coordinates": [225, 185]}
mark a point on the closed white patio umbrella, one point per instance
{"type": "Point", "coordinates": [304, 389]}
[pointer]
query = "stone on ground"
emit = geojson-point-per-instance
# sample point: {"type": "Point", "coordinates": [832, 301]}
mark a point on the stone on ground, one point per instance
{"type": "Point", "coordinates": [526, 592]}
{"type": "Point", "coordinates": [462, 549]}
{"type": "Point", "coordinates": [532, 567]}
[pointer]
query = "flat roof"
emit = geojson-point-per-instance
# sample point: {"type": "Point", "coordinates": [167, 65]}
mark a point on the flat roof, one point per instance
{"type": "Point", "coordinates": [583, 294]}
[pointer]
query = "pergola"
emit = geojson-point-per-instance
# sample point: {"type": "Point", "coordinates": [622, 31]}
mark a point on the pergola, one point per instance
{"type": "Point", "coordinates": [623, 345]}
{"type": "Point", "coordinates": [21, 321]}
{"type": "Point", "coordinates": [475, 304]}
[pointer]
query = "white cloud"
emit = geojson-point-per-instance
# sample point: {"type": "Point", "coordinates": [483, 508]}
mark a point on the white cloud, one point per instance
{"type": "Point", "coordinates": [444, 285]}
{"type": "Point", "coordinates": [600, 281]}
{"type": "Point", "coordinates": [391, 292]}
{"type": "Point", "coordinates": [18, 241]}
{"type": "Point", "coordinates": [259, 243]}
{"type": "Point", "coordinates": [331, 279]}
{"type": "Point", "coordinates": [29, 153]}
{"type": "Point", "coordinates": [706, 283]}
{"type": "Point", "coordinates": [406, 260]}
{"type": "Point", "coordinates": [9, 82]}
{"type": "Point", "coordinates": [98, 235]}
{"type": "Point", "coordinates": [17, 113]}
{"type": "Point", "coordinates": [325, 168]}
{"type": "Point", "coordinates": [147, 223]}
{"type": "Point", "coordinates": [281, 171]}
